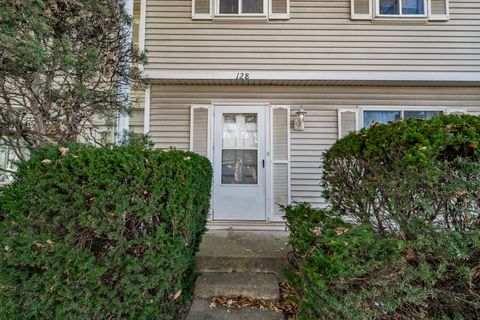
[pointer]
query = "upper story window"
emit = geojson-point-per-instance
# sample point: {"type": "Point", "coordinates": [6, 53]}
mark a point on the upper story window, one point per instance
{"type": "Point", "coordinates": [233, 9]}
{"type": "Point", "coordinates": [241, 6]}
{"type": "Point", "coordinates": [401, 7]}
{"type": "Point", "coordinates": [436, 10]}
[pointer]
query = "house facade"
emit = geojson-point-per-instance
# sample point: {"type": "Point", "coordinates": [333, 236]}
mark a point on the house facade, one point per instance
{"type": "Point", "coordinates": [264, 87]}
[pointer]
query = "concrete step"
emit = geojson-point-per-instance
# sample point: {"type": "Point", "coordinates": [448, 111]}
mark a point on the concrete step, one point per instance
{"type": "Point", "coordinates": [201, 310]}
{"type": "Point", "coordinates": [253, 285]}
{"type": "Point", "coordinates": [243, 251]}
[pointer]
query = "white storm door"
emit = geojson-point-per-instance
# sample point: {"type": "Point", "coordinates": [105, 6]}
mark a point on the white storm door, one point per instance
{"type": "Point", "coordinates": [239, 163]}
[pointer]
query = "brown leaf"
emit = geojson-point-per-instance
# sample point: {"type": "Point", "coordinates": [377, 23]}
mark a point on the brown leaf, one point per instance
{"type": "Point", "coordinates": [410, 255]}
{"type": "Point", "coordinates": [63, 150]}
{"type": "Point", "coordinates": [177, 295]}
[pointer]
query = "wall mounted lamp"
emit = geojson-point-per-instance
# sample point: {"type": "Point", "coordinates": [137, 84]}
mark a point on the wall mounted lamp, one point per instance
{"type": "Point", "coordinates": [299, 123]}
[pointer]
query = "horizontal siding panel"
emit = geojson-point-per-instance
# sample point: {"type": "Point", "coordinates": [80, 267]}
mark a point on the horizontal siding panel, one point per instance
{"type": "Point", "coordinates": [170, 117]}
{"type": "Point", "coordinates": [318, 36]}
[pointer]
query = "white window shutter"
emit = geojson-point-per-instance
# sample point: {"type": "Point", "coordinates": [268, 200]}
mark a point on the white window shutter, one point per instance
{"type": "Point", "coordinates": [438, 10]}
{"type": "Point", "coordinates": [280, 155]}
{"type": "Point", "coordinates": [361, 9]}
{"type": "Point", "coordinates": [347, 121]}
{"type": "Point", "coordinates": [202, 9]}
{"type": "Point", "coordinates": [200, 130]}
{"type": "Point", "coordinates": [456, 111]}
{"type": "Point", "coordinates": [279, 9]}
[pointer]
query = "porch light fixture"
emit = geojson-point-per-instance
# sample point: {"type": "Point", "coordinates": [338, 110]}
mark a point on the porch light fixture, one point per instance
{"type": "Point", "coordinates": [299, 123]}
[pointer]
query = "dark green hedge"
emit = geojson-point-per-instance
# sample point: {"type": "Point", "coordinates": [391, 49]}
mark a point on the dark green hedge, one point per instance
{"type": "Point", "coordinates": [349, 271]}
{"type": "Point", "coordinates": [401, 239]}
{"type": "Point", "coordinates": [102, 233]}
{"type": "Point", "coordinates": [391, 175]}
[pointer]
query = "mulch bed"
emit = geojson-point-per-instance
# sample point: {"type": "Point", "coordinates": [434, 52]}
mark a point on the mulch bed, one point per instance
{"type": "Point", "coordinates": [284, 305]}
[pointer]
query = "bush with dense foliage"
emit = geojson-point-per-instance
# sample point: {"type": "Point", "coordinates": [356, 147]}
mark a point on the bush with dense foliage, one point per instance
{"type": "Point", "coordinates": [101, 233]}
{"type": "Point", "coordinates": [391, 175]}
{"type": "Point", "coordinates": [401, 239]}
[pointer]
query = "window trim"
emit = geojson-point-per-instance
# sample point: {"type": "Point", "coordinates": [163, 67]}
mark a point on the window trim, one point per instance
{"type": "Point", "coordinates": [217, 13]}
{"type": "Point", "coordinates": [426, 6]}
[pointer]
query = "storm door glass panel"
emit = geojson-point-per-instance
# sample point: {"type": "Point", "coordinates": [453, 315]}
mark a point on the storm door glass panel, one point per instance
{"type": "Point", "coordinates": [240, 148]}
{"type": "Point", "coordinates": [389, 6]}
{"type": "Point", "coordinates": [252, 6]}
{"type": "Point", "coordinates": [424, 115]}
{"type": "Point", "coordinates": [373, 117]}
{"type": "Point", "coordinates": [229, 6]}
{"type": "Point", "coordinates": [413, 7]}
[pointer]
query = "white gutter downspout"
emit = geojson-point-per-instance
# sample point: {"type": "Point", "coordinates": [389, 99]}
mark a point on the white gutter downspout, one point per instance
{"type": "Point", "coordinates": [123, 120]}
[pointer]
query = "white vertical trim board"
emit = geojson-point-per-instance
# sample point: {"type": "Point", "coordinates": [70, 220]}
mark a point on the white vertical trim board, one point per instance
{"type": "Point", "coordinates": [141, 29]}
{"type": "Point", "coordinates": [289, 157]}
{"type": "Point", "coordinates": [146, 111]}
{"type": "Point", "coordinates": [269, 170]}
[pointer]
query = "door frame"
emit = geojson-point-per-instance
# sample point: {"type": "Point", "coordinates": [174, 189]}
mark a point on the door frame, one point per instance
{"type": "Point", "coordinates": [268, 165]}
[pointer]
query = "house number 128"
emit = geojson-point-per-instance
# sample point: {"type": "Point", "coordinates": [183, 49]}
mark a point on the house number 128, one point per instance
{"type": "Point", "coordinates": [243, 76]}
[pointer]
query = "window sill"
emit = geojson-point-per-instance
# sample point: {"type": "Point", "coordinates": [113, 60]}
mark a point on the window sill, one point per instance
{"type": "Point", "coordinates": [237, 18]}
{"type": "Point", "coordinates": [400, 20]}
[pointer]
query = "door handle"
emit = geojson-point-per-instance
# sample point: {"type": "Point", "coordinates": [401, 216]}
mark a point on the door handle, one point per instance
{"type": "Point", "coordinates": [263, 163]}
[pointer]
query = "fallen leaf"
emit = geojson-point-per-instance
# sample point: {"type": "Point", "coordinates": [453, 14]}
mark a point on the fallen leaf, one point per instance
{"type": "Point", "coordinates": [340, 230]}
{"type": "Point", "coordinates": [47, 161]}
{"type": "Point", "coordinates": [64, 150]}
{"type": "Point", "coordinates": [177, 294]}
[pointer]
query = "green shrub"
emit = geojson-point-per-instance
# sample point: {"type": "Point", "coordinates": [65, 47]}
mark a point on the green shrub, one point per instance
{"type": "Point", "coordinates": [391, 175]}
{"type": "Point", "coordinates": [102, 233]}
{"type": "Point", "coordinates": [401, 239]}
{"type": "Point", "coordinates": [350, 271]}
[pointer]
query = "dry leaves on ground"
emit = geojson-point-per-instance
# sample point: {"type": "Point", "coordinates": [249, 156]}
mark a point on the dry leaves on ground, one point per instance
{"type": "Point", "coordinates": [283, 305]}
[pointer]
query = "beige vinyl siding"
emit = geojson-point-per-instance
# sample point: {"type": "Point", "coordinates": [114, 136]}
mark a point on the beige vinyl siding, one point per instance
{"type": "Point", "coordinates": [170, 116]}
{"type": "Point", "coordinates": [319, 36]}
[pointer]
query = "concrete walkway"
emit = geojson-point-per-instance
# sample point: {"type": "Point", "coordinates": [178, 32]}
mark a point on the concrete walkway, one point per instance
{"type": "Point", "coordinates": [239, 263]}
{"type": "Point", "coordinates": [201, 310]}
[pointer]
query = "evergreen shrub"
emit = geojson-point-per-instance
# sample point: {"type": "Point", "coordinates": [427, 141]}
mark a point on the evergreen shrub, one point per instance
{"type": "Point", "coordinates": [102, 233]}
{"type": "Point", "coordinates": [401, 238]}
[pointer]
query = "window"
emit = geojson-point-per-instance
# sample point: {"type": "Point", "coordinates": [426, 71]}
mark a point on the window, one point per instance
{"type": "Point", "coordinates": [239, 148]}
{"type": "Point", "coordinates": [8, 158]}
{"type": "Point", "coordinates": [241, 7]}
{"type": "Point", "coordinates": [232, 9]}
{"type": "Point", "coordinates": [371, 117]}
{"type": "Point", "coordinates": [6, 162]}
{"type": "Point", "coordinates": [401, 8]}
{"type": "Point", "coordinates": [434, 10]}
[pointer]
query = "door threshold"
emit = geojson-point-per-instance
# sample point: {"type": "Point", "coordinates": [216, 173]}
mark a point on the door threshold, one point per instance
{"type": "Point", "coordinates": [242, 225]}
